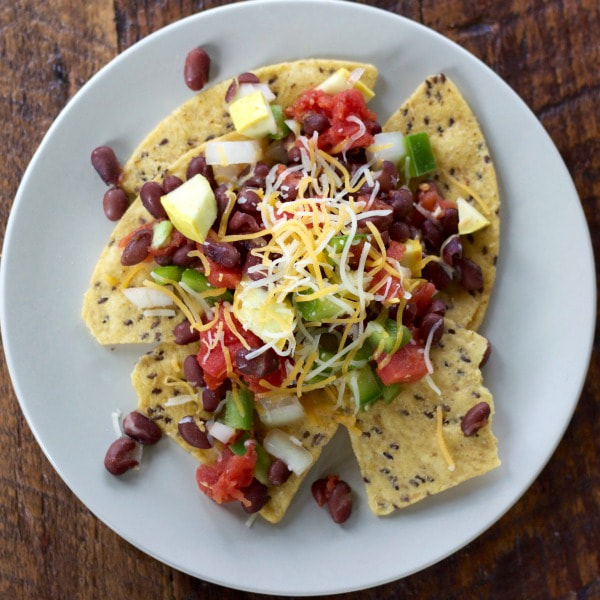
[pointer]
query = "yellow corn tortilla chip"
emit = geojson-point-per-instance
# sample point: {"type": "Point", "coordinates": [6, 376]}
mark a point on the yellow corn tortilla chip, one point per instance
{"type": "Point", "coordinates": [205, 116]}
{"type": "Point", "coordinates": [397, 447]}
{"type": "Point", "coordinates": [465, 170]}
{"type": "Point", "coordinates": [149, 380]}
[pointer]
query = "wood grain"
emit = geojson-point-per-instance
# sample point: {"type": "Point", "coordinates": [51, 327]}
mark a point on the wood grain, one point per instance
{"type": "Point", "coordinates": [547, 546]}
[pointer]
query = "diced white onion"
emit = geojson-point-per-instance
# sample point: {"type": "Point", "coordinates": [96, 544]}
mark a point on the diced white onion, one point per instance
{"type": "Point", "coordinates": [280, 445]}
{"type": "Point", "coordinates": [220, 431]}
{"type": "Point", "coordinates": [387, 146]}
{"type": "Point", "coordinates": [233, 153]}
{"type": "Point", "coordinates": [245, 89]}
{"type": "Point", "coordinates": [145, 297]}
{"type": "Point", "coordinates": [281, 412]}
{"type": "Point", "coordinates": [159, 312]}
{"type": "Point", "coordinates": [294, 126]}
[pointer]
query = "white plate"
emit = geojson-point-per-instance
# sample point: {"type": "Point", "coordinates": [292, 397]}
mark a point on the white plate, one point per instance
{"type": "Point", "coordinates": [540, 320]}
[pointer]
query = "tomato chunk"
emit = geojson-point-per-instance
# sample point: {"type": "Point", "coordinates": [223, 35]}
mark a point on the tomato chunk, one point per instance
{"type": "Point", "coordinates": [224, 480]}
{"type": "Point", "coordinates": [407, 365]}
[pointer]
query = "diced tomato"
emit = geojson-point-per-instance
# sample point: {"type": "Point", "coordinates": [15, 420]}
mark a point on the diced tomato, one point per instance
{"type": "Point", "coordinates": [275, 379]}
{"type": "Point", "coordinates": [422, 296]}
{"type": "Point", "coordinates": [430, 197]}
{"type": "Point", "coordinates": [224, 480]}
{"type": "Point", "coordinates": [390, 290]}
{"type": "Point", "coordinates": [349, 103]}
{"type": "Point", "coordinates": [223, 277]}
{"type": "Point", "coordinates": [407, 365]}
{"type": "Point", "coordinates": [395, 250]}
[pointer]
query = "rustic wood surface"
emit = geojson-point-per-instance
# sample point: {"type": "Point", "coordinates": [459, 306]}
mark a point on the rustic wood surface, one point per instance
{"type": "Point", "coordinates": [547, 546]}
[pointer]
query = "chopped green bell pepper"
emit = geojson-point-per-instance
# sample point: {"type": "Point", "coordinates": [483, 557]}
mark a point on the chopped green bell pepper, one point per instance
{"type": "Point", "coordinates": [318, 309]}
{"type": "Point", "coordinates": [366, 386]}
{"type": "Point", "coordinates": [239, 409]}
{"type": "Point", "coordinates": [282, 128]}
{"type": "Point", "coordinates": [419, 154]}
{"type": "Point", "coordinates": [389, 333]}
{"type": "Point", "coordinates": [163, 275]}
{"type": "Point", "coordinates": [198, 282]}
{"type": "Point", "coordinates": [391, 392]}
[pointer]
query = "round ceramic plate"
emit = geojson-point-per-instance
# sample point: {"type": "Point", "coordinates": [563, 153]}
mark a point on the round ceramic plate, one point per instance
{"type": "Point", "coordinates": [69, 396]}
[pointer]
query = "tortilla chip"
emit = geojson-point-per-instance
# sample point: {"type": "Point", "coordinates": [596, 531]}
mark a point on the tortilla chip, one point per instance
{"type": "Point", "coordinates": [205, 116]}
{"type": "Point", "coordinates": [397, 449]}
{"type": "Point", "coordinates": [464, 164]}
{"type": "Point", "coordinates": [148, 379]}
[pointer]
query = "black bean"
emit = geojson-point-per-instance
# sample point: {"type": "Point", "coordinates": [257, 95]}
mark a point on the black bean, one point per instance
{"type": "Point", "coordinates": [141, 428]}
{"type": "Point", "coordinates": [409, 313]}
{"type": "Point", "coordinates": [223, 253]}
{"type": "Point", "coordinates": [231, 91]}
{"type": "Point", "coordinates": [449, 221]}
{"type": "Point", "coordinates": [319, 491]}
{"type": "Point", "coordinates": [115, 203]}
{"type": "Point", "coordinates": [183, 334]}
{"type": "Point", "coordinates": [402, 202]}
{"type": "Point", "coordinates": [437, 306]}
{"type": "Point", "coordinates": [313, 121]}
{"type": "Point", "coordinates": [428, 322]}
{"type": "Point", "coordinates": [192, 434]}
{"type": "Point", "coordinates": [381, 222]}
{"type": "Point", "coordinates": [388, 177]}
{"type": "Point", "coordinates": [164, 260]}
{"type": "Point", "coordinates": [374, 127]}
{"type": "Point", "coordinates": [432, 235]}
{"type": "Point", "coordinates": [247, 77]}
{"type": "Point", "coordinates": [278, 472]}
{"type": "Point", "coordinates": [258, 178]}
{"type": "Point", "coordinates": [435, 273]}
{"type": "Point", "coordinates": [256, 494]}
{"type": "Point", "coordinates": [212, 398]}
{"type": "Point", "coordinates": [252, 261]}
{"type": "Point", "coordinates": [260, 366]}
{"type": "Point", "coordinates": [222, 202]}
{"type": "Point", "coordinates": [170, 183]}
{"type": "Point", "coordinates": [106, 164]}
{"type": "Point", "coordinates": [340, 502]}
{"type": "Point", "coordinates": [294, 154]}
{"type": "Point", "coordinates": [399, 232]}
{"type": "Point", "coordinates": [198, 166]}
{"type": "Point", "coordinates": [247, 201]}
{"type": "Point", "coordinates": [181, 258]}
{"type": "Point", "coordinates": [243, 223]}
{"type": "Point", "coordinates": [452, 250]}
{"type": "Point", "coordinates": [471, 277]}
{"type": "Point", "coordinates": [120, 456]}
{"type": "Point", "coordinates": [192, 371]}
{"type": "Point", "coordinates": [150, 194]}
{"type": "Point", "coordinates": [486, 354]}
{"type": "Point", "coordinates": [137, 248]}
{"type": "Point", "coordinates": [476, 418]}
{"type": "Point", "coordinates": [196, 69]}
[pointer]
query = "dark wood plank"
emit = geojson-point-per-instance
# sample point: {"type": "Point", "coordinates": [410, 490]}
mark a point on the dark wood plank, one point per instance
{"type": "Point", "coordinates": [547, 546]}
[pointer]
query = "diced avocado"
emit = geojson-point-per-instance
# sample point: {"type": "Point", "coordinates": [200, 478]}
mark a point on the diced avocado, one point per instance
{"type": "Point", "coordinates": [252, 116]}
{"type": "Point", "coordinates": [163, 275]}
{"type": "Point", "coordinates": [318, 309]}
{"type": "Point", "coordinates": [419, 154]}
{"type": "Point", "coordinates": [161, 233]}
{"type": "Point", "coordinates": [192, 208]}
{"type": "Point", "coordinates": [338, 82]}
{"type": "Point", "coordinates": [366, 386]}
{"type": "Point", "coordinates": [271, 319]}
{"type": "Point", "coordinates": [470, 219]}
{"type": "Point", "coordinates": [413, 254]}
{"type": "Point", "coordinates": [239, 409]}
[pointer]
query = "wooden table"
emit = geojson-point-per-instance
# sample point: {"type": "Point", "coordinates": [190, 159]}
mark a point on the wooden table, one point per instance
{"type": "Point", "coordinates": [547, 546]}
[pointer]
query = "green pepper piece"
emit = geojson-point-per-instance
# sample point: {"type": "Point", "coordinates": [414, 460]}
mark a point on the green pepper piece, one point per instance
{"type": "Point", "coordinates": [363, 355]}
{"type": "Point", "coordinates": [282, 128]}
{"type": "Point", "coordinates": [263, 462]}
{"type": "Point", "coordinates": [388, 332]}
{"type": "Point", "coordinates": [319, 309]}
{"type": "Point", "coordinates": [236, 418]}
{"type": "Point", "coordinates": [161, 233]}
{"type": "Point", "coordinates": [238, 446]}
{"type": "Point", "coordinates": [198, 282]}
{"type": "Point", "coordinates": [419, 154]}
{"type": "Point", "coordinates": [391, 392]}
{"type": "Point", "coordinates": [338, 242]}
{"type": "Point", "coordinates": [170, 273]}
{"type": "Point", "coordinates": [366, 386]}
